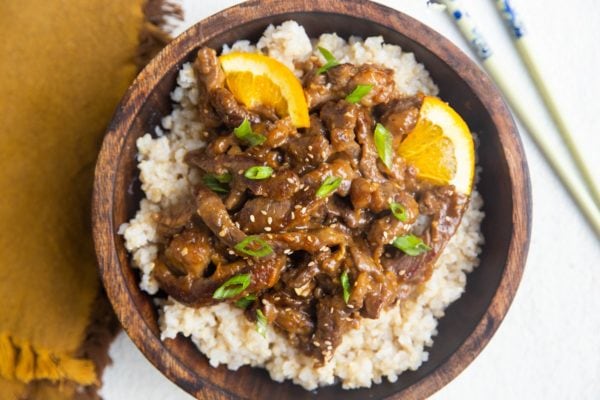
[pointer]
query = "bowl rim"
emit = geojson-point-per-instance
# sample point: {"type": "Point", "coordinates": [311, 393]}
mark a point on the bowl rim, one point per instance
{"type": "Point", "coordinates": [130, 105]}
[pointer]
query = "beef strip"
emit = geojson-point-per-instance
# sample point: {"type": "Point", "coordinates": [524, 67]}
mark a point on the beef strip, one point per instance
{"type": "Point", "coordinates": [368, 160]}
{"type": "Point", "coordinates": [400, 116]}
{"type": "Point", "coordinates": [212, 211]}
{"type": "Point", "coordinates": [222, 107]}
{"type": "Point", "coordinates": [339, 119]}
{"type": "Point", "coordinates": [231, 112]}
{"type": "Point", "coordinates": [316, 90]}
{"type": "Point", "coordinates": [310, 150]}
{"type": "Point", "coordinates": [340, 76]}
{"type": "Point", "coordinates": [383, 86]}
{"type": "Point", "coordinates": [209, 72]}
{"type": "Point", "coordinates": [210, 76]}
{"type": "Point", "coordinates": [173, 219]}
{"type": "Point", "coordinates": [445, 207]}
{"type": "Point", "coordinates": [261, 212]}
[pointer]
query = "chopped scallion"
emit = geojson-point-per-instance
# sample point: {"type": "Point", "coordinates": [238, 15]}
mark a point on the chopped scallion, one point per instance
{"type": "Point", "coordinates": [261, 323]}
{"type": "Point", "coordinates": [330, 184]}
{"type": "Point", "coordinates": [330, 61]}
{"type": "Point", "coordinates": [383, 143]}
{"type": "Point", "coordinates": [399, 211]}
{"type": "Point", "coordinates": [254, 246]}
{"type": "Point", "coordinates": [345, 285]}
{"type": "Point", "coordinates": [232, 287]}
{"type": "Point", "coordinates": [217, 183]}
{"type": "Point", "coordinates": [358, 93]}
{"type": "Point", "coordinates": [244, 132]}
{"type": "Point", "coordinates": [411, 245]}
{"type": "Point", "coordinates": [245, 301]}
{"type": "Point", "coordinates": [258, 172]}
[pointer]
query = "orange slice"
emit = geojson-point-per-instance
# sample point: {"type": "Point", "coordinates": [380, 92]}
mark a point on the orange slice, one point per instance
{"type": "Point", "coordinates": [441, 146]}
{"type": "Point", "coordinates": [258, 80]}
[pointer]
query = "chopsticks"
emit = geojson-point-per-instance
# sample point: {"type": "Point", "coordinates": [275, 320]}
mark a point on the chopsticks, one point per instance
{"type": "Point", "coordinates": [588, 203]}
{"type": "Point", "coordinates": [519, 35]}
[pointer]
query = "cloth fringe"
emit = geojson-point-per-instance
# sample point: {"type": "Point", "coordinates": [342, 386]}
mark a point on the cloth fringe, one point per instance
{"type": "Point", "coordinates": [21, 361]}
{"type": "Point", "coordinates": [7, 357]}
{"type": "Point", "coordinates": [159, 16]}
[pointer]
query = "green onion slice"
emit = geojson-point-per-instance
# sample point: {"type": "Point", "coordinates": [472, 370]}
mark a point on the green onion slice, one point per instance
{"type": "Point", "coordinates": [258, 172]}
{"type": "Point", "coordinates": [245, 301]}
{"type": "Point", "coordinates": [244, 132]}
{"type": "Point", "coordinates": [411, 245]}
{"type": "Point", "coordinates": [399, 211]}
{"type": "Point", "coordinates": [217, 183]}
{"type": "Point", "coordinates": [383, 143]}
{"type": "Point", "coordinates": [330, 61]}
{"type": "Point", "coordinates": [358, 93]}
{"type": "Point", "coordinates": [261, 323]}
{"type": "Point", "coordinates": [254, 246]}
{"type": "Point", "coordinates": [232, 287]}
{"type": "Point", "coordinates": [329, 185]}
{"type": "Point", "coordinates": [345, 285]}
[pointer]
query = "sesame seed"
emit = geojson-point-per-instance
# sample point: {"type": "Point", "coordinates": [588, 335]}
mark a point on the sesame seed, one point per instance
{"type": "Point", "coordinates": [223, 233]}
{"type": "Point", "coordinates": [293, 215]}
{"type": "Point", "coordinates": [269, 220]}
{"type": "Point", "coordinates": [297, 206]}
{"type": "Point", "coordinates": [303, 210]}
{"type": "Point", "coordinates": [331, 310]}
{"type": "Point", "coordinates": [241, 171]}
{"type": "Point", "coordinates": [388, 255]}
{"type": "Point", "coordinates": [310, 147]}
{"type": "Point", "coordinates": [252, 219]}
{"type": "Point", "coordinates": [184, 251]}
{"type": "Point", "coordinates": [237, 224]}
{"type": "Point", "coordinates": [350, 306]}
{"type": "Point", "coordinates": [267, 229]}
{"type": "Point", "coordinates": [287, 251]}
{"type": "Point", "coordinates": [317, 344]}
{"type": "Point", "coordinates": [290, 180]}
{"type": "Point", "coordinates": [310, 264]}
{"type": "Point", "coordinates": [324, 248]}
{"type": "Point", "coordinates": [231, 252]}
{"type": "Point", "coordinates": [263, 212]}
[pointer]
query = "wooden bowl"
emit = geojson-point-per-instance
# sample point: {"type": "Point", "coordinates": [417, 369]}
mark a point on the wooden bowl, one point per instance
{"type": "Point", "coordinates": [469, 323]}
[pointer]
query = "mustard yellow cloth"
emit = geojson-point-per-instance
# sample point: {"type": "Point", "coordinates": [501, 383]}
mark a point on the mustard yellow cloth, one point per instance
{"type": "Point", "coordinates": [63, 67]}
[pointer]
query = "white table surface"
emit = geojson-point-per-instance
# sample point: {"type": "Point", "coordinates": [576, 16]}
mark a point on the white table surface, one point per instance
{"type": "Point", "coordinates": [548, 347]}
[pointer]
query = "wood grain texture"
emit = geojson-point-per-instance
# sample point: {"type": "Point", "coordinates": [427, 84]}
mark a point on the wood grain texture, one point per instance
{"type": "Point", "coordinates": [469, 323]}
